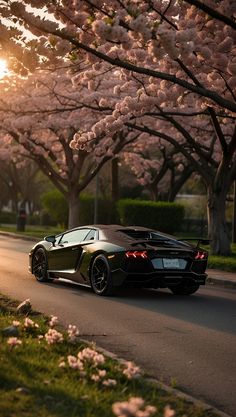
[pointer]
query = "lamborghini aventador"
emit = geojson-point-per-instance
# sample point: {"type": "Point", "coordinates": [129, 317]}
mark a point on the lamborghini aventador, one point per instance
{"type": "Point", "coordinates": [105, 257]}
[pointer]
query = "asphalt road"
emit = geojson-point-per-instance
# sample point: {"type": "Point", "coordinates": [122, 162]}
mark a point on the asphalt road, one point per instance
{"type": "Point", "coordinates": [189, 339]}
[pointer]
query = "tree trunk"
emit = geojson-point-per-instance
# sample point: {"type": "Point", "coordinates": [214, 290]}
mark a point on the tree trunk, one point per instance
{"type": "Point", "coordinates": [73, 201]}
{"type": "Point", "coordinates": [217, 227]}
{"type": "Point", "coordinates": [115, 180]}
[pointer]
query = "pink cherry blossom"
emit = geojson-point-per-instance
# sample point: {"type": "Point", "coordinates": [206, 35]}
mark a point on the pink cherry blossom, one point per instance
{"type": "Point", "coordinates": [53, 336]}
{"type": "Point", "coordinates": [73, 333]}
{"type": "Point", "coordinates": [14, 342]}
{"type": "Point", "coordinates": [134, 407]}
{"type": "Point", "coordinates": [53, 321]}
{"type": "Point", "coordinates": [131, 371]}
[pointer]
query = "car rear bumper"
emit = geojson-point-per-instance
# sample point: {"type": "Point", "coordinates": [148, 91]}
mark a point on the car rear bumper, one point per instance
{"type": "Point", "coordinates": [160, 279]}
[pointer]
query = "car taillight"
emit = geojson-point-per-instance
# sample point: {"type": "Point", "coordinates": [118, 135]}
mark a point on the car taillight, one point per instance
{"type": "Point", "coordinates": [201, 255]}
{"type": "Point", "coordinates": [136, 254]}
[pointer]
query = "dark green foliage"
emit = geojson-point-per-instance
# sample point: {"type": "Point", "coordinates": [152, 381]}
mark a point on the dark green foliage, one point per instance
{"type": "Point", "coordinates": [106, 213]}
{"type": "Point", "coordinates": [166, 217]}
{"type": "Point", "coordinates": [56, 206]}
{"type": "Point", "coordinates": [7, 218]}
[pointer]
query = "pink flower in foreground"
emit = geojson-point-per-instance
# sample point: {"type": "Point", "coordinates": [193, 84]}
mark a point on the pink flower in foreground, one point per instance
{"type": "Point", "coordinates": [75, 363]}
{"type": "Point", "coordinates": [16, 323]}
{"type": "Point", "coordinates": [53, 336]}
{"type": "Point", "coordinates": [134, 407]}
{"type": "Point", "coordinates": [132, 371]}
{"type": "Point", "coordinates": [62, 364]}
{"type": "Point", "coordinates": [28, 323]}
{"type": "Point", "coordinates": [53, 321]}
{"type": "Point", "coordinates": [95, 378]}
{"type": "Point", "coordinates": [73, 333]}
{"type": "Point", "coordinates": [101, 374]}
{"type": "Point", "coordinates": [40, 337]}
{"type": "Point", "coordinates": [92, 356]}
{"type": "Point", "coordinates": [169, 412]}
{"type": "Point", "coordinates": [13, 342]}
{"type": "Point", "coordinates": [109, 382]}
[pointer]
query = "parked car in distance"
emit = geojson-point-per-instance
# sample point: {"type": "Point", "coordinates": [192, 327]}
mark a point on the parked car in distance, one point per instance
{"type": "Point", "coordinates": [105, 257]}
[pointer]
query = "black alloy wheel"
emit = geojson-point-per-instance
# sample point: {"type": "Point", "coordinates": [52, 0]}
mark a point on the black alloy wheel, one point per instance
{"type": "Point", "coordinates": [185, 288]}
{"type": "Point", "coordinates": [100, 276]}
{"type": "Point", "coordinates": [40, 265]}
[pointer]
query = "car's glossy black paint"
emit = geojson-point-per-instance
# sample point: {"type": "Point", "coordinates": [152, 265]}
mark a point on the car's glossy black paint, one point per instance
{"type": "Point", "coordinates": [112, 255]}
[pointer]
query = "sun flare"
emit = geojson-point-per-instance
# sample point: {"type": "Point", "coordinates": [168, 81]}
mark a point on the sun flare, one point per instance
{"type": "Point", "coordinates": [3, 68]}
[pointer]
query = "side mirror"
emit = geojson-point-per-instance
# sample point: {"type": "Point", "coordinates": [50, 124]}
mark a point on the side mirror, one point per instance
{"type": "Point", "coordinates": [51, 239]}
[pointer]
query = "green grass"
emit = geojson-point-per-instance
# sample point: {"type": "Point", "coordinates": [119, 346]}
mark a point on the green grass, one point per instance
{"type": "Point", "coordinates": [32, 231]}
{"type": "Point", "coordinates": [32, 383]}
{"type": "Point", "coordinates": [225, 263]}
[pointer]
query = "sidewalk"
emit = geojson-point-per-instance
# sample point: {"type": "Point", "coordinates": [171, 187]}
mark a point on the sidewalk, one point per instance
{"type": "Point", "coordinates": [221, 278]}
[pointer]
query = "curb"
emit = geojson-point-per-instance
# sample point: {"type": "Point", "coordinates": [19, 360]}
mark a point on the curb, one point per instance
{"type": "Point", "coordinates": [19, 236]}
{"type": "Point", "coordinates": [221, 282]}
{"type": "Point", "coordinates": [174, 391]}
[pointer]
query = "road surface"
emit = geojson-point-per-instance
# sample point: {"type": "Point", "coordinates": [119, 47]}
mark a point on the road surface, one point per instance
{"type": "Point", "coordinates": [189, 339]}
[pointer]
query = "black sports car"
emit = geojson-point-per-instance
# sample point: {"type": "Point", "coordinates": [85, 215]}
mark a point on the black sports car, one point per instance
{"type": "Point", "coordinates": [108, 256]}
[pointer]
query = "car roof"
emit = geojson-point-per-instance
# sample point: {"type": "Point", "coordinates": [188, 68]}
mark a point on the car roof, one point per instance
{"type": "Point", "coordinates": [118, 233]}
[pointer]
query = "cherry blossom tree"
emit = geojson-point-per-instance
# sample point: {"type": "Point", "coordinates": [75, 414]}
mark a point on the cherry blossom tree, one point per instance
{"type": "Point", "coordinates": [205, 138]}
{"type": "Point", "coordinates": [39, 118]}
{"type": "Point", "coordinates": [157, 166]}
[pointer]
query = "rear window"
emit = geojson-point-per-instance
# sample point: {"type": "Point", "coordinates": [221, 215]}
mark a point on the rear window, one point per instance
{"type": "Point", "coordinates": [150, 236]}
{"type": "Point", "coordinates": [143, 234]}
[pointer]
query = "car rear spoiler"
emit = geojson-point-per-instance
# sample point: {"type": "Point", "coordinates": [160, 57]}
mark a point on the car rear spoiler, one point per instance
{"type": "Point", "coordinates": [200, 241]}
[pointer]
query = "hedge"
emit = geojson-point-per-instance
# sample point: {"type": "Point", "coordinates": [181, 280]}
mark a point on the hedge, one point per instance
{"type": "Point", "coordinates": [8, 217]}
{"type": "Point", "coordinates": [165, 217]}
{"type": "Point", "coordinates": [106, 212]}
{"type": "Point", "coordinates": [56, 206]}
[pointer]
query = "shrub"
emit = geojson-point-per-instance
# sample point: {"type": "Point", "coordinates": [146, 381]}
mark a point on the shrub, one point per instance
{"type": "Point", "coordinates": [56, 206]}
{"type": "Point", "coordinates": [106, 210]}
{"type": "Point", "coordinates": [8, 217]}
{"type": "Point", "coordinates": [166, 217]}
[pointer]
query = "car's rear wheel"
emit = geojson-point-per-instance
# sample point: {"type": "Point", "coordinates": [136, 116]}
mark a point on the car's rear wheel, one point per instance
{"type": "Point", "coordinates": [40, 265]}
{"type": "Point", "coordinates": [186, 288]}
{"type": "Point", "coordinates": [100, 276]}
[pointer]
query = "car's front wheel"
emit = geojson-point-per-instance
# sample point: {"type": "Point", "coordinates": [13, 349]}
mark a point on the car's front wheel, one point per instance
{"type": "Point", "coordinates": [100, 276]}
{"type": "Point", "coordinates": [40, 265]}
{"type": "Point", "coordinates": [185, 288]}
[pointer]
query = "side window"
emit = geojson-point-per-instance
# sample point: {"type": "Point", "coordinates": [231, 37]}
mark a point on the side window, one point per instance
{"type": "Point", "coordinates": [75, 236]}
{"type": "Point", "coordinates": [58, 238]}
{"type": "Point", "coordinates": [91, 235]}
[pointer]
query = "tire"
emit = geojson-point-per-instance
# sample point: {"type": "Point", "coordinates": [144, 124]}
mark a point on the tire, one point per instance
{"type": "Point", "coordinates": [100, 276]}
{"type": "Point", "coordinates": [40, 265]}
{"type": "Point", "coordinates": [185, 288]}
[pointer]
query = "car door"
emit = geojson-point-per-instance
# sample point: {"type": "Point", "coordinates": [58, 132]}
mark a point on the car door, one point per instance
{"type": "Point", "coordinates": [65, 255]}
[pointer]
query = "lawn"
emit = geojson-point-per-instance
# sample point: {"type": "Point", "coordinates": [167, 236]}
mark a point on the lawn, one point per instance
{"type": "Point", "coordinates": [46, 371]}
{"type": "Point", "coordinates": [225, 263]}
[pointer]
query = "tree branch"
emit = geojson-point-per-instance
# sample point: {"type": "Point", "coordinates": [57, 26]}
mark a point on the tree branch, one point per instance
{"type": "Point", "coordinates": [213, 13]}
{"type": "Point", "coordinates": [218, 130]}
{"type": "Point", "coordinates": [204, 92]}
